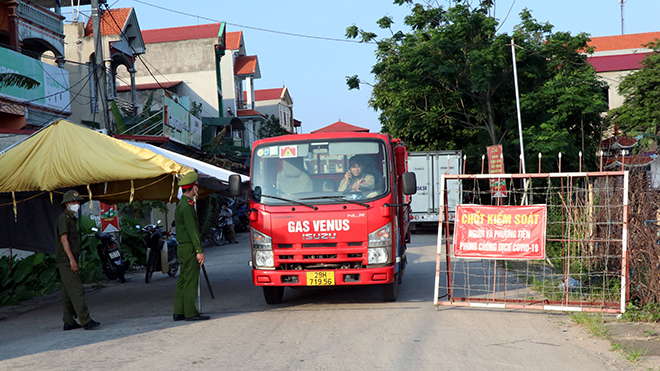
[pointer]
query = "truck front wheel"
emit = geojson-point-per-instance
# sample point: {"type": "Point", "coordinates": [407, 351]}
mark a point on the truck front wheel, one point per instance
{"type": "Point", "coordinates": [391, 290]}
{"type": "Point", "coordinates": [274, 294]}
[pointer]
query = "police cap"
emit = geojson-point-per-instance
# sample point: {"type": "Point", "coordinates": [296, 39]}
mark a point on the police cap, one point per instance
{"type": "Point", "coordinates": [70, 196]}
{"type": "Point", "coordinates": [188, 179]}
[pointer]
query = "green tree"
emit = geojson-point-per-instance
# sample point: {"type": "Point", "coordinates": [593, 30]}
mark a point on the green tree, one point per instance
{"type": "Point", "coordinates": [640, 112]}
{"type": "Point", "coordinates": [271, 128]}
{"type": "Point", "coordinates": [448, 84]}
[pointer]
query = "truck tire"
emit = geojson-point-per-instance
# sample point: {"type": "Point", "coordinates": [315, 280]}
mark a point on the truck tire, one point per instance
{"type": "Point", "coordinates": [273, 294]}
{"type": "Point", "coordinates": [391, 290]}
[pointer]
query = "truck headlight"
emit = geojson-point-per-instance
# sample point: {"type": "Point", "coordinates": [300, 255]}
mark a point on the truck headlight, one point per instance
{"type": "Point", "coordinates": [381, 237]}
{"type": "Point", "coordinates": [378, 255]}
{"type": "Point", "coordinates": [263, 258]}
{"type": "Point", "coordinates": [380, 242]}
{"type": "Point", "coordinates": [262, 250]}
{"type": "Point", "coordinates": [260, 241]}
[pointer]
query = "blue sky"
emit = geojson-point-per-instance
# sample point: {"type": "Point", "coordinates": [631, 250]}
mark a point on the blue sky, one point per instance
{"type": "Point", "coordinates": [315, 70]}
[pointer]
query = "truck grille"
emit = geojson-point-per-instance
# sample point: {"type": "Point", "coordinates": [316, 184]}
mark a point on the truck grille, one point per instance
{"type": "Point", "coordinates": [319, 245]}
{"type": "Point", "coordinates": [328, 256]}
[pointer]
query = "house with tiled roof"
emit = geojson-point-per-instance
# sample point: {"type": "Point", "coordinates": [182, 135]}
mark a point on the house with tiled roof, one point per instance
{"type": "Point", "coordinates": [617, 56]}
{"type": "Point", "coordinates": [215, 71]}
{"type": "Point", "coordinates": [276, 102]}
{"type": "Point", "coordinates": [122, 44]}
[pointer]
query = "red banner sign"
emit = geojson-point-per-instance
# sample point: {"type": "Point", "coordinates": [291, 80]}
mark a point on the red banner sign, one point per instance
{"type": "Point", "coordinates": [500, 232]}
{"type": "Point", "coordinates": [496, 166]}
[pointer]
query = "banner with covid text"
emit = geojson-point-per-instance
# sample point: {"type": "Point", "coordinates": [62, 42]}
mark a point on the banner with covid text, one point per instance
{"type": "Point", "coordinates": [500, 232]}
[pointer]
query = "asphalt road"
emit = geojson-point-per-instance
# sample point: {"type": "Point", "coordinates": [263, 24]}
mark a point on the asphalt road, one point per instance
{"type": "Point", "coordinates": [319, 329]}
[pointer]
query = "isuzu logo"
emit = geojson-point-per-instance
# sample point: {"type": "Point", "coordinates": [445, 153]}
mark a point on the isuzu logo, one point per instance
{"type": "Point", "coordinates": [319, 236]}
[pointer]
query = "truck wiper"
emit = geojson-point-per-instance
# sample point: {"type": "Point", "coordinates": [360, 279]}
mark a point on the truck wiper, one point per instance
{"type": "Point", "coordinates": [293, 201]}
{"type": "Point", "coordinates": [343, 198]}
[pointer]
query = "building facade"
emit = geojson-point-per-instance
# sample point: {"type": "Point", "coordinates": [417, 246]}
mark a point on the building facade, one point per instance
{"type": "Point", "coordinates": [121, 44]}
{"type": "Point", "coordinates": [617, 56]}
{"type": "Point", "coordinates": [32, 45]}
{"type": "Point", "coordinates": [276, 102]}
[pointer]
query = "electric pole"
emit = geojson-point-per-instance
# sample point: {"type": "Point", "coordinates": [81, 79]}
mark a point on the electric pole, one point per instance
{"type": "Point", "coordinates": [99, 68]}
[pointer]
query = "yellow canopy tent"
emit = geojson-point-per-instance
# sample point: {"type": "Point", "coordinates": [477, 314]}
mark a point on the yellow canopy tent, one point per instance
{"type": "Point", "coordinates": [35, 172]}
{"type": "Point", "coordinates": [64, 155]}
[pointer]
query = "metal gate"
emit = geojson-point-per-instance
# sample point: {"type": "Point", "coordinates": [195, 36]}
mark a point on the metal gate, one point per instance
{"type": "Point", "coordinates": [585, 268]}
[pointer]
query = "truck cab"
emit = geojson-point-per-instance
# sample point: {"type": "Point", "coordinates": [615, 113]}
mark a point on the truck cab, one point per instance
{"type": "Point", "coordinates": [328, 210]}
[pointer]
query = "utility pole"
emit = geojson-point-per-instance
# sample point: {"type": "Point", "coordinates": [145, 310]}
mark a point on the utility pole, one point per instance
{"type": "Point", "coordinates": [515, 80]}
{"type": "Point", "coordinates": [99, 68]}
{"type": "Point", "coordinates": [623, 4]}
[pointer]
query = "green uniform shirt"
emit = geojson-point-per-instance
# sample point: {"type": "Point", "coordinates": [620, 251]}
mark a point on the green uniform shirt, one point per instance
{"type": "Point", "coordinates": [66, 223]}
{"type": "Point", "coordinates": [187, 225]}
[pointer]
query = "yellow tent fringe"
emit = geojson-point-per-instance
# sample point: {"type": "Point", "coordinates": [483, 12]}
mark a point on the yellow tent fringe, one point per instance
{"type": "Point", "coordinates": [172, 190]}
{"type": "Point", "coordinates": [91, 204]}
{"type": "Point", "coordinates": [51, 197]}
{"type": "Point", "coordinates": [132, 192]}
{"type": "Point", "coordinates": [13, 197]}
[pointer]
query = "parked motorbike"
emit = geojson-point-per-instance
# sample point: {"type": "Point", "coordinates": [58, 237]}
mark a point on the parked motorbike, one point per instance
{"type": "Point", "coordinates": [111, 260]}
{"type": "Point", "coordinates": [242, 222]}
{"type": "Point", "coordinates": [161, 251]}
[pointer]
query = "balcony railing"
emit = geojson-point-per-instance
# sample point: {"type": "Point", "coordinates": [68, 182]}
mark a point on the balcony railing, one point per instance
{"type": "Point", "coordinates": [42, 18]}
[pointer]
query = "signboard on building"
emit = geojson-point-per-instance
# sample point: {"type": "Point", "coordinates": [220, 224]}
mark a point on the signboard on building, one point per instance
{"type": "Point", "coordinates": [496, 166]}
{"type": "Point", "coordinates": [53, 90]}
{"type": "Point", "coordinates": [500, 232]}
{"type": "Point", "coordinates": [179, 125]}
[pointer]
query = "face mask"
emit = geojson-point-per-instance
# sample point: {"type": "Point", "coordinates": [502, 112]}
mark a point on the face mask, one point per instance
{"type": "Point", "coordinates": [74, 208]}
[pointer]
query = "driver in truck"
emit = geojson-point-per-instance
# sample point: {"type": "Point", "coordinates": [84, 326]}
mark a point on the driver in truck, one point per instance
{"type": "Point", "coordinates": [355, 179]}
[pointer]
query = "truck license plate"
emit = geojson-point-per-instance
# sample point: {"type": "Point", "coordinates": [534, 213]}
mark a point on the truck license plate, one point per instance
{"type": "Point", "coordinates": [320, 278]}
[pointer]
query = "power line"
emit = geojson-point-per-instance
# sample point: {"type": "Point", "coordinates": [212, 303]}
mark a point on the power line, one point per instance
{"type": "Point", "coordinates": [255, 28]}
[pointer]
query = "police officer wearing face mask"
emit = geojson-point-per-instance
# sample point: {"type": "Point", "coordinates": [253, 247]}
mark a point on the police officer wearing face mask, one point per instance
{"type": "Point", "coordinates": [189, 251]}
{"type": "Point", "coordinates": [67, 253]}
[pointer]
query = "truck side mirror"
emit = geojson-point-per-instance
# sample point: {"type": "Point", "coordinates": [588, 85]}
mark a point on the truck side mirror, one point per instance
{"type": "Point", "coordinates": [409, 183]}
{"type": "Point", "coordinates": [235, 185]}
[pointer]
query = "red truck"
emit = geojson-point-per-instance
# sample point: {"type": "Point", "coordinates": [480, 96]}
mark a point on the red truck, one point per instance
{"type": "Point", "coordinates": [328, 209]}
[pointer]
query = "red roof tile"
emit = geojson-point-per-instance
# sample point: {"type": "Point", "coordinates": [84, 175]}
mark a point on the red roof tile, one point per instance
{"type": "Point", "coordinates": [618, 142]}
{"type": "Point", "coordinates": [341, 126]}
{"type": "Point", "coordinates": [203, 31]}
{"type": "Point", "coordinates": [150, 86]}
{"type": "Point", "coordinates": [233, 40]}
{"type": "Point", "coordinates": [620, 42]}
{"type": "Point", "coordinates": [626, 62]}
{"type": "Point", "coordinates": [248, 112]}
{"type": "Point", "coordinates": [245, 65]}
{"type": "Point", "coordinates": [266, 94]}
{"type": "Point", "coordinates": [632, 160]}
{"type": "Point", "coordinates": [112, 22]}
{"type": "Point", "coordinates": [161, 35]}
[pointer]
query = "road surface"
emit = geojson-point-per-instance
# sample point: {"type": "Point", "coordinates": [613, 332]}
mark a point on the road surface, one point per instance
{"type": "Point", "coordinates": [321, 329]}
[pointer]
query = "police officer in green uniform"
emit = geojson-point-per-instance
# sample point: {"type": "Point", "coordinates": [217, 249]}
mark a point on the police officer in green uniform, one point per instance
{"type": "Point", "coordinates": [189, 251]}
{"type": "Point", "coordinates": [67, 254]}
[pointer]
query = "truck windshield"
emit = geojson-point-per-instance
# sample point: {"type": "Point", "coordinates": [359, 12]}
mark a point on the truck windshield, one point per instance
{"type": "Point", "coordinates": [319, 172]}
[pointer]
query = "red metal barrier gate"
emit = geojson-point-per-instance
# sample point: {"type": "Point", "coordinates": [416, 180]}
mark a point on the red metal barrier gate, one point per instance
{"type": "Point", "coordinates": [586, 240]}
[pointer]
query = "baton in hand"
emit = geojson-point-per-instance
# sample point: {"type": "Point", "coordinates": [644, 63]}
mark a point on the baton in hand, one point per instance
{"type": "Point", "coordinates": [208, 283]}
